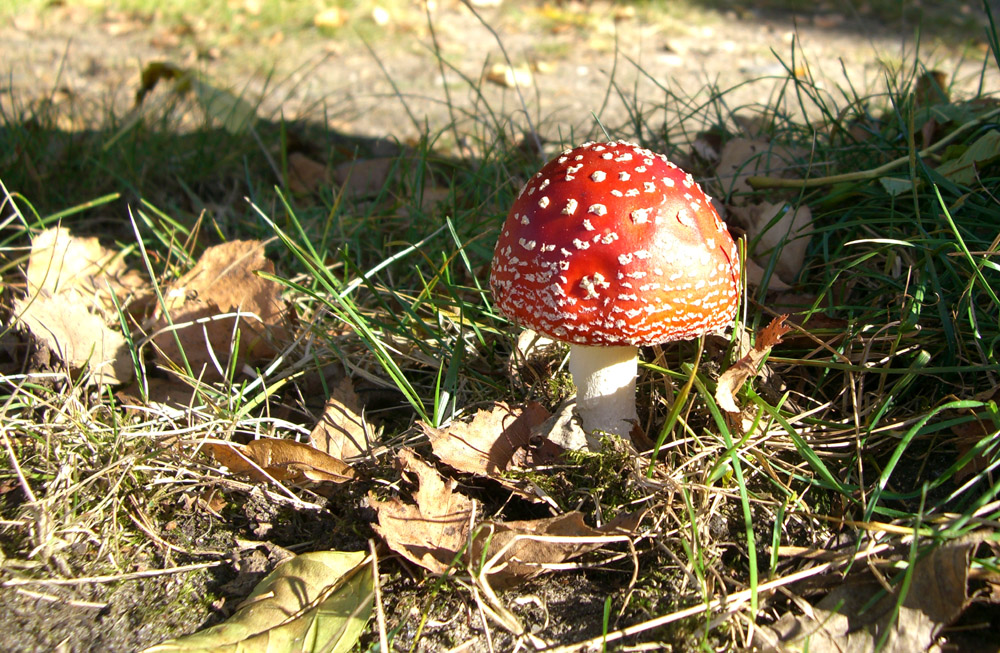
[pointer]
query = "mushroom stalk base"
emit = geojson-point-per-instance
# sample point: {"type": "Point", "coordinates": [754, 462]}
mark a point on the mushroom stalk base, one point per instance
{"type": "Point", "coordinates": [605, 390]}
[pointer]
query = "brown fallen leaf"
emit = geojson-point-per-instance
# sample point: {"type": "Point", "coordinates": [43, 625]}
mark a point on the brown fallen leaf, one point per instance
{"type": "Point", "coordinates": [486, 445]}
{"type": "Point", "coordinates": [431, 531]}
{"type": "Point", "coordinates": [845, 621]}
{"type": "Point", "coordinates": [733, 379]}
{"type": "Point", "coordinates": [60, 263]}
{"type": "Point", "coordinates": [563, 429]}
{"type": "Point", "coordinates": [282, 460]}
{"type": "Point", "coordinates": [519, 550]}
{"type": "Point", "coordinates": [363, 178]}
{"type": "Point", "coordinates": [304, 174]}
{"type": "Point", "coordinates": [341, 430]}
{"type": "Point", "coordinates": [73, 284]}
{"type": "Point", "coordinates": [223, 281]}
{"type": "Point", "coordinates": [742, 158]}
{"type": "Point", "coordinates": [767, 225]}
{"type": "Point", "coordinates": [76, 336]}
{"type": "Point", "coordinates": [755, 277]}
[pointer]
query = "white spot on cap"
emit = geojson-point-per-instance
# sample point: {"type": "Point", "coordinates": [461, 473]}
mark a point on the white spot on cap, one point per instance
{"type": "Point", "coordinates": [598, 209]}
{"type": "Point", "coordinates": [580, 244]}
{"type": "Point", "coordinates": [623, 176]}
{"type": "Point", "coordinates": [640, 169]}
{"type": "Point", "coordinates": [649, 186]}
{"type": "Point", "coordinates": [668, 182]}
{"type": "Point", "coordinates": [624, 157]}
{"type": "Point", "coordinates": [598, 175]}
{"type": "Point", "coordinates": [527, 244]}
{"type": "Point", "coordinates": [607, 156]}
{"type": "Point", "coordinates": [616, 193]}
{"type": "Point", "coordinates": [640, 216]}
{"type": "Point", "coordinates": [587, 225]}
{"type": "Point", "coordinates": [544, 184]}
{"type": "Point", "coordinates": [544, 202]}
{"type": "Point", "coordinates": [625, 259]}
{"type": "Point", "coordinates": [590, 284]}
{"type": "Point", "coordinates": [524, 219]}
{"type": "Point", "coordinates": [686, 219]}
{"type": "Point", "coordinates": [570, 207]}
{"type": "Point", "coordinates": [574, 169]}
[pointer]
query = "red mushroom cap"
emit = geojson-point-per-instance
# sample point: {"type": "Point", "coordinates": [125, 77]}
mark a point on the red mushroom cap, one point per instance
{"type": "Point", "coordinates": [611, 244]}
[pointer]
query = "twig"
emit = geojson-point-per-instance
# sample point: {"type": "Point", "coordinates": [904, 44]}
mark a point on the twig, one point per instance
{"type": "Point", "coordinates": [76, 603]}
{"type": "Point", "coordinates": [383, 638]}
{"type": "Point", "coordinates": [863, 175]}
{"type": "Point", "coordinates": [113, 578]}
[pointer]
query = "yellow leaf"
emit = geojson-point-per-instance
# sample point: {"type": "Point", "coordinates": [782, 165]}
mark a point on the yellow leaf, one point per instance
{"type": "Point", "coordinates": [317, 601]}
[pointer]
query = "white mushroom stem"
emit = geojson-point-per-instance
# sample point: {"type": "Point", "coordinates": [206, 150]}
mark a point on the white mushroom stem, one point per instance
{"type": "Point", "coordinates": [605, 389]}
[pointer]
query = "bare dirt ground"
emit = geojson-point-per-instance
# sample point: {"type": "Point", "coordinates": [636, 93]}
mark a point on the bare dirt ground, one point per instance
{"type": "Point", "coordinates": [588, 63]}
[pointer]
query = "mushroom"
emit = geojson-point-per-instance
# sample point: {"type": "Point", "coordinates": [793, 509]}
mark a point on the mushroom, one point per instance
{"type": "Point", "coordinates": [610, 247]}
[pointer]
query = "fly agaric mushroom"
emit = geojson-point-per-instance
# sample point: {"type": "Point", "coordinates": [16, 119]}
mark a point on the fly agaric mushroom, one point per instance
{"type": "Point", "coordinates": [610, 247]}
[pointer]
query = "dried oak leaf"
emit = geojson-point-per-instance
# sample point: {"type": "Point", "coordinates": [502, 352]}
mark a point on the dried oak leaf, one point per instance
{"type": "Point", "coordinates": [223, 281]}
{"type": "Point", "coordinates": [431, 531]}
{"type": "Point", "coordinates": [282, 460]}
{"type": "Point", "coordinates": [341, 430]}
{"type": "Point", "coordinates": [733, 379]}
{"type": "Point", "coordinates": [526, 548]}
{"type": "Point", "coordinates": [486, 445]}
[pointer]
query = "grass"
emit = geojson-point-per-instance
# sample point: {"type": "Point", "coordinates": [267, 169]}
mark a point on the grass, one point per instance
{"type": "Point", "coordinates": [864, 432]}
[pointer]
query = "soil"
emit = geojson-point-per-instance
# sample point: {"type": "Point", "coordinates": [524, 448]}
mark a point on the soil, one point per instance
{"type": "Point", "coordinates": [607, 68]}
{"type": "Point", "coordinates": [598, 65]}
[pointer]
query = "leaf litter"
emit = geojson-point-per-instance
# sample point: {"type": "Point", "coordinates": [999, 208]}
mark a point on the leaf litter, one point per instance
{"type": "Point", "coordinates": [487, 445]}
{"type": "Point", "coordinates": [222, 314]}
{"type": "Point", "coordinates": [342, 430]}
{"type": "Point", "coordinates": [73, 286]}
{"type": "Point", "coordinates": [281, 460]}
{"type": "Point", "coordinates": [859, 615]}
{"type": "Point", "coordinates": [439, 532]}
